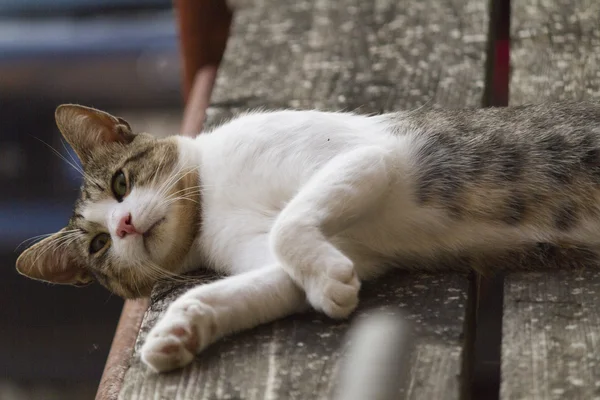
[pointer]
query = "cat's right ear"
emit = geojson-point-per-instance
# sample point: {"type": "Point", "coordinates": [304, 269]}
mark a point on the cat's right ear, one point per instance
{"type": "Point", "coordinates": [87, 128]}
{"type": "Point", "coordinates": [55, 260]}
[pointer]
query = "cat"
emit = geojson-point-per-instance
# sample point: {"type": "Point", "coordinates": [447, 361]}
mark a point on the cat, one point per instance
{"type": "Point", "coordinates": [298, 207]}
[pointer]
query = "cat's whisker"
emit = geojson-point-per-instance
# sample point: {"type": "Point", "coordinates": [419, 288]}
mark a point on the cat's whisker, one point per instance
{"type": "Point", "coordinates": [71, 164]}
{"type": "Point", "coordinates": [75, 167]}
{"type": "Point", "coordinates": [147, 270]}
{"type": "Point", "coordinates": [185, 199]}
{"type": "Point", "coordinates": [66, 243]}
{"type": "Point", "coordinates": [173, 175]}
{"type": "Point", "coordinates": [191, 189]}
{"type": "Point", "coordinates": [167, 200]}
{"type": "Point", "coordinates": [186, 195]}
{"type": "Point", "coordinates": [32, 239]}
{"type": "Point", "coordinates": [190, 194]}
{"type": "Point", "coordinates": [153, 184]}
{"type": "Point", "coordinates": [158, 169]}
{"type": "Point", "coordinates": [71, 156]}
{"type": "Point", "coordinates": [151, 206]}
{"type": "Point", "coordinates": [165, 275]}
{"type": "Point", "coordinates": [177, 176]}
{"type": "Point", "coordinates": [157, 270]}
{"type": "Point", "coordinates": [174, 200]}
{"type": "Point", "coordinates": [69, 239]}
{"type": "Point", "coordinates": [180, 193]}
{"type": "Point", "coordinates": [28, 241]}
{"type": "Point", "coordinates": [174, 180]}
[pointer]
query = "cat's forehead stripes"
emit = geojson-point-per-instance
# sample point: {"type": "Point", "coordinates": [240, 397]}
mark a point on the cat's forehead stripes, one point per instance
{"type": "Point", "coordinates": [141, 160]}
{"type": "Point", "coordinates": [140, 154]}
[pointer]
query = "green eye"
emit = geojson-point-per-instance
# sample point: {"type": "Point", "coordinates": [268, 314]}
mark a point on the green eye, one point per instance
{"type": "Point", "coordinates": [99, 242]}
{"type": "Point", "coordinates": [119, 185]}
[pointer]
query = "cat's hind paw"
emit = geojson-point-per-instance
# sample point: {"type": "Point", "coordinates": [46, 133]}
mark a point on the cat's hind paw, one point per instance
{"type": "Point", "coordinates": [336, 292]}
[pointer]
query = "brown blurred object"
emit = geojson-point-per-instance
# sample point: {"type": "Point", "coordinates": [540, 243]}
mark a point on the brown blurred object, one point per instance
{"type": "Point", "coordinates": [203, 30]}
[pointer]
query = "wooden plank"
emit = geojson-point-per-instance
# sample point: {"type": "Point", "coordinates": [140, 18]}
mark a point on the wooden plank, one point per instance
{"type": "Point", "coordinates": [555, 51]}
{"type": "Point", "coordinates": [348, 54]}
{"type": "Point", "coordinates": [551, 345]}
{"type": "Point", "coordinates": [551, 335]}
{"type": "Point", "coordinates": [353, 55]}
{"type": "Point", "coordinates": [298, 357]}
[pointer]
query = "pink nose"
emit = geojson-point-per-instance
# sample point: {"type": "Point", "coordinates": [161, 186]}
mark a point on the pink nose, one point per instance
{"type": "Point", "coordinates": [125, 226]}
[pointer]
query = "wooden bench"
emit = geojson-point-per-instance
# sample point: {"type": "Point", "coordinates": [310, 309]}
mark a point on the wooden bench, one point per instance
{"type": "Point", "coordinates": [374, 57]}
{"type": "Point", "coordinates": [551, 324]}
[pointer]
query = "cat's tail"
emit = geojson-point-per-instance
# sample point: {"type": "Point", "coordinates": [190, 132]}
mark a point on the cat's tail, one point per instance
{"type": "Point", "coordinates": [378, 361]}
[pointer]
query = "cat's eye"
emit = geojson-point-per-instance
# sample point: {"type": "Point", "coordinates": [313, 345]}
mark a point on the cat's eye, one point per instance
{"type": "Point", "coordinates": [99, 242]}
{"type": "Point", "coordinates": [119, 185]}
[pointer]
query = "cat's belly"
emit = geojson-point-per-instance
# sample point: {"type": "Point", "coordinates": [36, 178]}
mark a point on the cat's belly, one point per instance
{"type": "Point", "coordinates": [414, 244]}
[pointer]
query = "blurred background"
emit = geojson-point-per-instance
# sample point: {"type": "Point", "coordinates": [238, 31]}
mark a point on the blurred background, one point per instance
{"type": "Point", "coordinates": [117, 55]}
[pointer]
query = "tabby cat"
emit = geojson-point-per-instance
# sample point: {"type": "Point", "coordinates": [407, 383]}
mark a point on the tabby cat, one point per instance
{"type": "Point", "coordinates": [297, 207]}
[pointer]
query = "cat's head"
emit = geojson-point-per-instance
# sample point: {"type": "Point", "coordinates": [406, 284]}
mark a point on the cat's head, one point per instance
{"type": "Point", "coordinates": [136, 216]}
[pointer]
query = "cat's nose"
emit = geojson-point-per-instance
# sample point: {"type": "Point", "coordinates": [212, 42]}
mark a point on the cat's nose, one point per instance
{"type": "Point", "coordinates": [125, 226]}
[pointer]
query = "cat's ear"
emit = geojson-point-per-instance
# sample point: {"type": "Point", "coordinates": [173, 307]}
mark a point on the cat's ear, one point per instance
{"type": "Point", "coordinates": [87, 128]}
{"type": "Point", "coordinates": [54, 260]}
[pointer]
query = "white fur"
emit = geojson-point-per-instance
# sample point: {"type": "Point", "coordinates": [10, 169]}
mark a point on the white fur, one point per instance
{"type": "Point", "coordinates": [324, 197]}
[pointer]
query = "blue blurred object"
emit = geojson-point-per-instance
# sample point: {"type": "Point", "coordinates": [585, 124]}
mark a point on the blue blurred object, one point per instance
{"type": "Point", "coordinates": [110, 53]}
{"type": "Point", "coordinates": [28, 7]}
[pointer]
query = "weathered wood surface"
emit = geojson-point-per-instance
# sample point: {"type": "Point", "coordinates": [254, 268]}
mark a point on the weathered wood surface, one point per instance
{"type": "Point", "coordinates": [551, 324]}
{"type": "Point", "coordinates": [374, 56]}
{"type": "Point", "coordinates": [298, 357]}
{"type": "Point", "coordinates": [367, 56]}
{"type": "Point", "coordinates": [555, 50]}
{"type": "Point", "coordinates": [551, 335]}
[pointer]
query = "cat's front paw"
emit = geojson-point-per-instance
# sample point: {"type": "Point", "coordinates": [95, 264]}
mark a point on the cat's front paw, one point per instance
{"type": "Point", "coordinates": [335, 292]}
{"type": "Point", "coordinates": [187, 327]}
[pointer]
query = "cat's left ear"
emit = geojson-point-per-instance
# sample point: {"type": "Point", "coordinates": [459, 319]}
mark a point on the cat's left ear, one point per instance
{"type": "Point", "coordinates": [55, 260]}
{"type": "Point", "coordinates": [87, 128]}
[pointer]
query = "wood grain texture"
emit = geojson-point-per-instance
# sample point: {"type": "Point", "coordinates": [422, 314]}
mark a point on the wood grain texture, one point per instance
{"type": "Point", "coordinates": [348, 54]}
{"type": "Point", "coordinates": [555, 50]}
{"type": "Point", "coordinates": [551, 335]}
{"type": "Point", "coordinates": [353, 55]}
{"type": "Point", "coordinates": [298, 357]}
{"type": "Point", "coordinates": [551, 344]}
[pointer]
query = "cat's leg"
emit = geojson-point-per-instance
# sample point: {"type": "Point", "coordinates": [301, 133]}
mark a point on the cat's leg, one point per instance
{"type": "Point", "coordinates": [208, 312]}
{"type": "Point", "coordinates": [346, 188]}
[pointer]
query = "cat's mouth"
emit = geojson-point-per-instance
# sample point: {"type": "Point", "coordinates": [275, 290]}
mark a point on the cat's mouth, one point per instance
{"type": "Point", "coordinates": [150, 235]}
{"type": "Point", "coordinates": [149, 232]}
